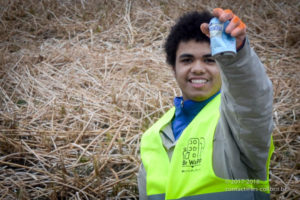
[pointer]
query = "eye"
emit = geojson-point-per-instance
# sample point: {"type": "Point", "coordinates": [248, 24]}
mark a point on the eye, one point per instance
{"type": "Point", "coordinates": [209, 60]}
{"type": "Point", "coordinates": [186, 60]}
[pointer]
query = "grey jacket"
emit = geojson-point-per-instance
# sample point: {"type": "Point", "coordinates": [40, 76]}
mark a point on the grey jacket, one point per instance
{"type": "Point", "coordinates": [243, 134]}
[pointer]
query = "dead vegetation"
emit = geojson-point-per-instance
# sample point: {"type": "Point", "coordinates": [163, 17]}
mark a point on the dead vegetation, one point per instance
{"type": "Point", "coordinates": [81, 80]}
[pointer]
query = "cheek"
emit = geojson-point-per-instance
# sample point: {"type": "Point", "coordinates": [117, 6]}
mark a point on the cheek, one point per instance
{"type": "Point", "coordinates": [218, 80]}
{"type": "Point", "coordinates": [179, 73]}
{"type": "Point", "coordinates": [216, 74]}
{"type": "Point", "coordinates": [216, 71]}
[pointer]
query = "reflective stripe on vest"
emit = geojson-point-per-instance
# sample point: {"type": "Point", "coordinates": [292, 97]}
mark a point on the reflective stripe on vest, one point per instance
{"type": "Point", "coordinates": [156, 197]}
{"type": "Point", "coordinates": [183, 177]}
{"type": "Point", "coordinates": [244, 195]}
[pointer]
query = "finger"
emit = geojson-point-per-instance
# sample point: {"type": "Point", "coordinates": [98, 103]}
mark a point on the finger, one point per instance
{"type": "Point", "coordinates": [217, 12]}
{"type": "Point", "coordinates": [223, 15]}
{"type": "Point", "coordinates": [204, 28]}
{"type": "Point", "coordinates": [234, 23]}
{"type": "Point", "coordinates": [239, 31]}
{"type": "Point", "coordinates": [226, 15]}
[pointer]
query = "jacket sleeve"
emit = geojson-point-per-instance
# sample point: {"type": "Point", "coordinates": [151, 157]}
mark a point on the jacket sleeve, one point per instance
{"type": "Point", "coordinates": [246, 109]}
{"type": "Point", "coordinates": [142, 183]}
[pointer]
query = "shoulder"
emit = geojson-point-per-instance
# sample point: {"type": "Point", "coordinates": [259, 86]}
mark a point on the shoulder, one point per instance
{"type": "Point", "coordinates": [160, 123]}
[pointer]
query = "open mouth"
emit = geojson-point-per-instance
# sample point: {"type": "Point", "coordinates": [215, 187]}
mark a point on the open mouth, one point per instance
{"type": "Point", "coordinates": [198, 81]}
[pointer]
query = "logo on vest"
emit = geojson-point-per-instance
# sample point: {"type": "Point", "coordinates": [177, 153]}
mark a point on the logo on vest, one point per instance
{"type": "Point", "coordinates": [192, 154]}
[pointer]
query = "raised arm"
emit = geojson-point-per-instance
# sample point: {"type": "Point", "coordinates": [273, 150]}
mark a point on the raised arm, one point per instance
{"type": "Point", "coordinates": [246, 108]}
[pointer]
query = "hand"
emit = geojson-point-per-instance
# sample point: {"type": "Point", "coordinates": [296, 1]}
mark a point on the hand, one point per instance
{"type": "Point", "coordinates": [236, 28]}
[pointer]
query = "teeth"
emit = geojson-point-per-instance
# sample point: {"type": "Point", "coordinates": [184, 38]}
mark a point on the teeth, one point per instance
{"type": "Point", "coordinates": [198, 81]}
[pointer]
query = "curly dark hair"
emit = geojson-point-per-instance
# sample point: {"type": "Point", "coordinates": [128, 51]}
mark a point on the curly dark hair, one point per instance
{"type": "Point", "coordinates": [187, 28]}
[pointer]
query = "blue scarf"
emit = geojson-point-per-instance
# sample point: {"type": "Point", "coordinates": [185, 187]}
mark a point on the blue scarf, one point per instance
{"type": "Point", "coordinates": [185, 111]}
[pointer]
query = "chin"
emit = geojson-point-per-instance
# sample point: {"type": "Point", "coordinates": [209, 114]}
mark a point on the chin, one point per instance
{"type": "Point", "coordinates": [200, 97]}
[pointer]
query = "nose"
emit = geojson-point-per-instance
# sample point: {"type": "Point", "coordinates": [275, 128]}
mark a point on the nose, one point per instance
{"type": "Point", "coordinates": [198, 68]}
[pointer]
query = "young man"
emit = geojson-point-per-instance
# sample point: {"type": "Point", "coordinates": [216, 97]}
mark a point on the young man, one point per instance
{"type": "Point", "coordinates": [215, 143]}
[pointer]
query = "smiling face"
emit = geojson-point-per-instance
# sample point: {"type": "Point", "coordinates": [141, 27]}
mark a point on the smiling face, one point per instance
{"type": "Point", "coordinates": [196, 72]}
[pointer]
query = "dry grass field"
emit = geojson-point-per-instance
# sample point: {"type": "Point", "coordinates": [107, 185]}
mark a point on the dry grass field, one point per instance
{"type": "Point", "coordinates": [80, 80]}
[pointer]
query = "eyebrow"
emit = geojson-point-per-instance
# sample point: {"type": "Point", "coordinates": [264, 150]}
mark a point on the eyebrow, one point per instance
{"type": "Point", "coordinates": [207, 55]}
{"type": "Point", "coordinates": [190, 55]}
{"type": "Point", "coordinates": [185, 55]}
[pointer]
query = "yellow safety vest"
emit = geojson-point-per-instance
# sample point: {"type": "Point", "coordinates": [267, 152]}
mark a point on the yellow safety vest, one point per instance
{"type": "Point", "coordinates": [189, 174]}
